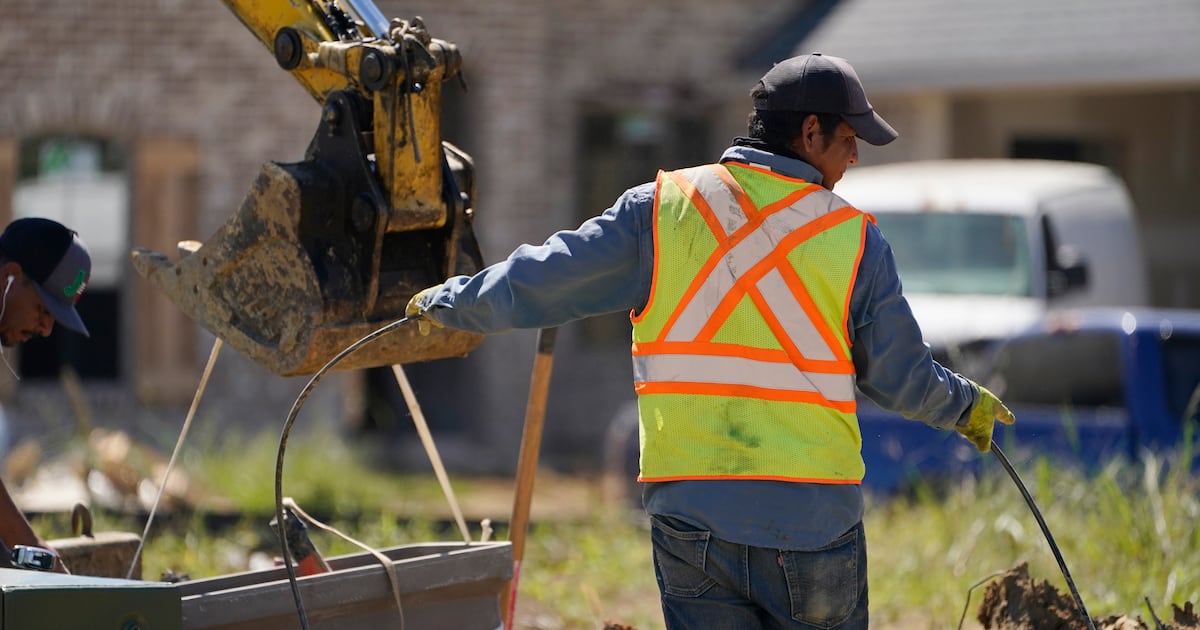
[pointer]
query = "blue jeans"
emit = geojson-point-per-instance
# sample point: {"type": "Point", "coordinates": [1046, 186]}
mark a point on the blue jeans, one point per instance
{"type": "Point", "coordinates": [708, 583]}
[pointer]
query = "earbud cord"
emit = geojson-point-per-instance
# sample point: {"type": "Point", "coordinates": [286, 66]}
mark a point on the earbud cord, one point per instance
{"type": "Point", "coordinates": [4, 307]}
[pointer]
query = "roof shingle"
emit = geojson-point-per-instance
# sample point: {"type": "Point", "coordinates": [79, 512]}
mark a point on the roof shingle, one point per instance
{"type": "Point", "coordinates": [908, 45]}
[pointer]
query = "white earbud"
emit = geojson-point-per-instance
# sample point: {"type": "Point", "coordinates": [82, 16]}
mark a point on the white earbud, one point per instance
{"type": "Point", "coordinates": [3, 308]}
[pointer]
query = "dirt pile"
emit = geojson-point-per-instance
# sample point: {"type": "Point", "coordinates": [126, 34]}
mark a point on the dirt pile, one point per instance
{"type": "Point", "coordinates": [1017, 602]}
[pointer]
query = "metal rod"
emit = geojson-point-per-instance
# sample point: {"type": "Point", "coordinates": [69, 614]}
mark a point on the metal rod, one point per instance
{"type": "Point", "coordinates": [187, 423]}
{"type": "Point", "coordinates": [371, 17]}
{"type": "Point", "coordinates": [439, 469]}
{"type": "Point", "coordinates": [1045, 531]}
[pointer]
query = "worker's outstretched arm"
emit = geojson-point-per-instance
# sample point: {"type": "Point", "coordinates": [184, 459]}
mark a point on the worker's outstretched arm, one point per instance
{"type": "Point", "coordinates": [894, 367]}
{"type": "Point", "coordinates": [599, 267]}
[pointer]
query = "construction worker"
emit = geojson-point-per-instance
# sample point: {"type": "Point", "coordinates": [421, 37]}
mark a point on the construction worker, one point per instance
{"type": "Point", "coordinates": [44, 267]}
{"type": "Point", "coordinates": [759, 300]}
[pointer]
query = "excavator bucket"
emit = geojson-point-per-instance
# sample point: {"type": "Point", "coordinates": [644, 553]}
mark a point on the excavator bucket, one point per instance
{"type": "Point", "coordinates": [325, 251]}
{"type": "Point", "coordinates": [290, 282]}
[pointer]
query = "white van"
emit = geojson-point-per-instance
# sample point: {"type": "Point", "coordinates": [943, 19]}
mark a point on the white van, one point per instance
{"type": "Point", "coordinates": [986, 246]}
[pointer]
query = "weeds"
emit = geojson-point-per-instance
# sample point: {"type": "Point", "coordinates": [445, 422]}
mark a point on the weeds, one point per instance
{"type": "Point", "coordinates": [1127, 532]}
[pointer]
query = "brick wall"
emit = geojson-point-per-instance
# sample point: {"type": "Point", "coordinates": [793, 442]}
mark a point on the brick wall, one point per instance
{"type": "Point", "coordinates": [189, 71]}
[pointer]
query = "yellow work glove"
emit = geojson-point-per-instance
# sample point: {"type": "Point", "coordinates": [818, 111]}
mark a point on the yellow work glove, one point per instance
{"type": "Point", "coordinates": [987, 410]}
{"type": "Point", "coordinates": [417, 308]}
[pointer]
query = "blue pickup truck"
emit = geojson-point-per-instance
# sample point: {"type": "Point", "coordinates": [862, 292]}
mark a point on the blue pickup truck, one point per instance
{"type": "Point", "coordinates": [1086, 385]}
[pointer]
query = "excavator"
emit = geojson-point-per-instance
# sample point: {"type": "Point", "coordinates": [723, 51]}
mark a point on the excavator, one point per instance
{"type": "Point", "coordinates": [325, 253]}
{"type": "Point", "coordinates": [325, 250]}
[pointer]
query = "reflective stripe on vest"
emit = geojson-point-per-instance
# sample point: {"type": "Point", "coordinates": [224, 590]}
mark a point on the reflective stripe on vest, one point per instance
{"type": "Point", "coordinates": [744, 319]}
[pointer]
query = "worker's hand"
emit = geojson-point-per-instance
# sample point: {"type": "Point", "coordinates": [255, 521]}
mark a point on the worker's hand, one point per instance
{"type": "Point", "coordinates": [987, 410]}
{"type": "Point", "coordinates": [418, 307]}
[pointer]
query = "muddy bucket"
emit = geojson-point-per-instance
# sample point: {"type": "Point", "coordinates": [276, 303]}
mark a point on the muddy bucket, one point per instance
{"type": "Point", "coordinates": [301, 271]}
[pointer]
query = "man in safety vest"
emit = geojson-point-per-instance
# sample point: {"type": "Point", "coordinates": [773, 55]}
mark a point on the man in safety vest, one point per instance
{"type": "Point", "coordinates": [759, 301]}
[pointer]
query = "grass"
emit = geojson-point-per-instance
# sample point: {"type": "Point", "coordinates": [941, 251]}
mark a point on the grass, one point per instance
{"type": "Point", "coordinates": [1127, 534]}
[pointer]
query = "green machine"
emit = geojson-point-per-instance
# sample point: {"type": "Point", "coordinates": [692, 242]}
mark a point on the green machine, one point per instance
{"type": "Point", "coordinates": [37, 600]}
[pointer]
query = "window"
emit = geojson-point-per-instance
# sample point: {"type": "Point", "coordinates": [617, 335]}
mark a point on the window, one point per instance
{"type": "Point", "coordinates": [1060, 369]}
{"type": "Point", "coordinates": [1093, 151]}
{"type": "Point", "coordinates": [619, 149]}
{"type": "Point", "coordinates": [939, 252]}
{"type": "Point", "coordinates": [1181, 370]}
{"type": "Point", "coordinates": [80, 182]}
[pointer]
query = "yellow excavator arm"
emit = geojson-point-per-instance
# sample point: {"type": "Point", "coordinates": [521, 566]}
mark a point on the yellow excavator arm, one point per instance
{"type": "Point", "coordinates": [326, 250]}
{"type": "Point", "coordinates": [284, 27]}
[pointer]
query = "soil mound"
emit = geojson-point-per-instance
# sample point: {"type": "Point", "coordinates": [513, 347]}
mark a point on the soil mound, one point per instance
{"type": "Point", "coordinates": [1016, 601]}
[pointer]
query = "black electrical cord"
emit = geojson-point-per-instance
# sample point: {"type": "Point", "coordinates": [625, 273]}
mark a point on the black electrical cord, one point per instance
{"type": "Point", "coordinates": [287, 428]}
{"type": "Point", "coordinates": [1046, 531]}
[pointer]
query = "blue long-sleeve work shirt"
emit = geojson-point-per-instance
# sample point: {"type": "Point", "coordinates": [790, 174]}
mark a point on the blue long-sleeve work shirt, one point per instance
{"type": "Point", "coordinates": [607, 264]}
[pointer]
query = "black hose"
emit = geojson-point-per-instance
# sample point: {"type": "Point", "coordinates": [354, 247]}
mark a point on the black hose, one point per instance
{"type": "Point", "coordinates": [1046, 531]}
{"type": "Point", "coordinates": [287, 428]}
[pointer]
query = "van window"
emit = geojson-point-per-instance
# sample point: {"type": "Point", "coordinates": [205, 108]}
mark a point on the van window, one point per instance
{"type": "Point", "coordinates": [1081, 368]}
{"type": "Point", "coordinates": [959, 253]}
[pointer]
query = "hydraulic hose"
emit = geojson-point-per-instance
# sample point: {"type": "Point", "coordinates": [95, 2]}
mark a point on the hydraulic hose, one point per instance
{"type": "Point", "coordinates": [1045, 531]}
{"type": "Point", "coordinates": [287, 428]}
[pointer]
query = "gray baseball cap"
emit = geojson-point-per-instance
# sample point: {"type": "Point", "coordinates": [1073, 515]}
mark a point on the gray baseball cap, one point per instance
{"type": "Point", "coordinates": [822, 84]}
{"type": "Point", "coordinates": [54, 257]}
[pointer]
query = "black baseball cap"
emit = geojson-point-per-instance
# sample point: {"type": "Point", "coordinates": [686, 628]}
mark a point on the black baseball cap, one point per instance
{"type": "Point", "coordinates": [54, 257]}
{"type": "Point", "coordinates": [821, 84]}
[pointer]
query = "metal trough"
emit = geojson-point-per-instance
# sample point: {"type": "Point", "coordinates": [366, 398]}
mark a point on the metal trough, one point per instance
{"type": "Point", "coordinates": [442, 585]}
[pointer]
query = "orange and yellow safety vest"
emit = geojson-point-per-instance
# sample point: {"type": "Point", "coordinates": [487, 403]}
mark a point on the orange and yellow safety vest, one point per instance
{"type": "Point", "coordinates": [741, 357]}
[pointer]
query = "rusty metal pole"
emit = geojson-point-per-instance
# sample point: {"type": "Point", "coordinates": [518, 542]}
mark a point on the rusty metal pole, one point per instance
{"type": "Point", "coordinates": [531, 442]}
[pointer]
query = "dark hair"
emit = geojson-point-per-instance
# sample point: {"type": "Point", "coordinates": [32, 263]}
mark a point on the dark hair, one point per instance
{"type": "Point", "coordinates": [781, 128]}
